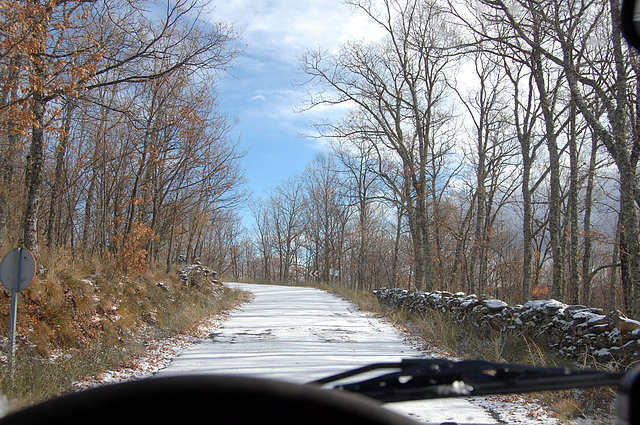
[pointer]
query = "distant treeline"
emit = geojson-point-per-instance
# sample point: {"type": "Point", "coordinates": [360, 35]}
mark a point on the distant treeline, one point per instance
{"type": "Point", "coordinates": [490, 147]}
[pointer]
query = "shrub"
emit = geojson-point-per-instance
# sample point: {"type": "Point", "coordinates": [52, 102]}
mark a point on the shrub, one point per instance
{"type": "Point", "coordinates": [132, 253]}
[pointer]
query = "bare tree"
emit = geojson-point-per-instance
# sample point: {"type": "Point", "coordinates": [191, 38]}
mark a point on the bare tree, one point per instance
{"type": "Point", "coordinates": [359, 163]}
{"type": "Point", "coordinates": [98, 45]}
{"type": "Point", "coordinates": [399, 88]}
{"type": "Point", "coordinates": [286, 207]}
{"type": "Point", "coordinates": [327, 214]}
{"type": "Point", "coordinates": [491, 151]}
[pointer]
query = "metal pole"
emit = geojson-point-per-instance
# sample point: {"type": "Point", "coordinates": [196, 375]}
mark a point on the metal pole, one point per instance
{"type": "Point", "coordinates": [13, 312]}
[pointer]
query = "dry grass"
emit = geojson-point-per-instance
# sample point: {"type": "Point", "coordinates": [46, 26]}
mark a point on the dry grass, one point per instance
{"type": "Point", "coordinates": [82, 318]}
{"type": "Point", "coordinates": [36, 378]}
{"type": "Point", "coordinates": [469, 342]}
{"type": "Point", "coordinates": [360, 297]}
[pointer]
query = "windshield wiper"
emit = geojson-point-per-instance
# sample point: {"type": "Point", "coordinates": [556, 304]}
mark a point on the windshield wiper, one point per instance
{"type": "Point", "coordinates": [417, 379]}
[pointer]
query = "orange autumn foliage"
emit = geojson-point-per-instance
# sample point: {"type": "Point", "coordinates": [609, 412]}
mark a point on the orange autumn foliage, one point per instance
{"type": "Point", "coordinates": [132, 252]}
{"type": "Point", "coordinates": [540, 292]}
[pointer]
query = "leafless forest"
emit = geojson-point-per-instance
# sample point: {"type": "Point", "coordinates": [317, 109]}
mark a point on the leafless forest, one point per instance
{"type": "Point", "coordinates": [490, 146]}
{"type": "Point", "coordinates": [112, 140]}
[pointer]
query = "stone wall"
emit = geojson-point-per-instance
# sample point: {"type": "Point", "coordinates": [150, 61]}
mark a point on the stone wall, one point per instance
{"type": "Point", "coordinates": [573, 331]}
{"type": "Point", "coordinates": [197, 274]}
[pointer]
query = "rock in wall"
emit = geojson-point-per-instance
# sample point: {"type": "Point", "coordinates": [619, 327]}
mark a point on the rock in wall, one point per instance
{"type": "Point", "coordinates": [196, 274]}
{"type": "Point", "coordinates": [573, 331]}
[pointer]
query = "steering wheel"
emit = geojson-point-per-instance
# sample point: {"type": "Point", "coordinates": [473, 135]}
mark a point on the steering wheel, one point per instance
{"type": "Point", "coordinates": [201, 399]}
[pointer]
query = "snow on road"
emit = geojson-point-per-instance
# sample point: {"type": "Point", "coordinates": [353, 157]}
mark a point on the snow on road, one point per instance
{"type": "Point", "coordinates": [300, 334]}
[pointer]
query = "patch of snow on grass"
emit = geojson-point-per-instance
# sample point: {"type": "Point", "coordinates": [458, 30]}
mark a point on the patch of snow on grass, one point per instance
{"type": "Point", "coordinates": [515, 409]}
{"type": "Point", "coordinates": [157, 356]}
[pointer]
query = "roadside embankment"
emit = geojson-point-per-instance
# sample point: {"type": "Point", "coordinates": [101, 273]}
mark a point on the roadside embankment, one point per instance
{"type": "Point", "coordinates": [75, 323]}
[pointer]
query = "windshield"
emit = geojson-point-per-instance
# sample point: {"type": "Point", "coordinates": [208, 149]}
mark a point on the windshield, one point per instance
{"type": "Point", "coordinates": [466, 168]}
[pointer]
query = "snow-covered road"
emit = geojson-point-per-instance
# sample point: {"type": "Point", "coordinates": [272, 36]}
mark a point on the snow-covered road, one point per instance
{"type": "Point", "coordinates": [300, 334]}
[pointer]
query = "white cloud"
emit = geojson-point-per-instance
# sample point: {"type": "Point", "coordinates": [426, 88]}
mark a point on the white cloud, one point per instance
{"type": "Point", "coordinates": [284, 29]}
{"type": "Point", "coordinates": [360, 27]}
{"type": "Point", "coordinates": [277, 33]}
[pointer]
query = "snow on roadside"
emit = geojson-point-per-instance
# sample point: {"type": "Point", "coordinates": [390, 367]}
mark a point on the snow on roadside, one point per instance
{"type": "Point", "coordinates": [158, 355]}
{"type": "Point", "coordinates": [507, 409]}
{"type": "Point", "coordinates": [516, 409]}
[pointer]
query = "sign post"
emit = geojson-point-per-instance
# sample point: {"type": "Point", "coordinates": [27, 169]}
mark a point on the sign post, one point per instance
{"type": "Point", "coordinates": [13, 314]}
{"type": "Point", "coordinates": [333, 274]}
{"type": "Point", "coordinates": [17, 271]}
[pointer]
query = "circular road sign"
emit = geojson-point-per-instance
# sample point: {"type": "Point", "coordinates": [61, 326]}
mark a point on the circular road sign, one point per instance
{"type": "Point", "coordinates": [17, 269]}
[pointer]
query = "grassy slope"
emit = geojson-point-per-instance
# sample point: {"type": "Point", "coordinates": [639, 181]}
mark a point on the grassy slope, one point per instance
{"type": "Point", "coordinates": [75, 321]}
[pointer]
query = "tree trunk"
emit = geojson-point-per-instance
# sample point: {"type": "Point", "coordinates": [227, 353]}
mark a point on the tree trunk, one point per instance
{"type": "Point", "coordinates": [56, 191]}
{"type": "Point", "coordinates": [477, 257]}
{"type": "Point", "coordinates": [555, 230]}
{"type": "Point", "coordinates": [613, 276]}
{"type": "Point", "coordinates": [426, 259]}
{"type": "Point", "coordinates": [363, 221]}
{"type": "Point", "coordinates": [527, 233]}
{"type": "Point", "coordinates": [628, 185]}
{"type": "Point", "coordinates": [396, 248]}
{"type": "Point", "coordinates": [10, 145]}
{"type": "Point", "coordinates": [574, 274]}
{"type": "Point", "coordinates": [586, 258]}
{"type": "Point", "coordinates": [439, 260]}
{"type": "Point", "coordinates": [460, 247]}
{"type": "Point", "coordinates": [35, 163]}
{"type": "Point", "coordinates": [629, 248]}
{"type": "Point", "coordinates": [616, 142]}
{"type": "Point", "coordinates": [86, 223]}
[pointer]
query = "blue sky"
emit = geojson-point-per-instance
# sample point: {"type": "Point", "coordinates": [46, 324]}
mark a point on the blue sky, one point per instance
{"type": "Point", "coordinates": [264, 93]}
{"type": "Point", "coordinates": [260, 101]}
